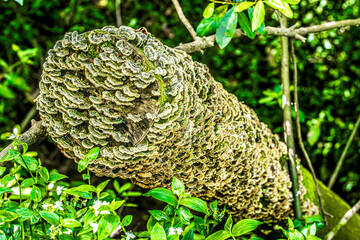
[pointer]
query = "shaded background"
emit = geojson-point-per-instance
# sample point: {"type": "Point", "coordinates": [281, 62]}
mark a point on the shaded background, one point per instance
{"type": "Point", "coordinates": [329, 72]}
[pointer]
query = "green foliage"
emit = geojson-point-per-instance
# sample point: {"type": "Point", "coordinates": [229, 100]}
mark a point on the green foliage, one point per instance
{"type": "Point", "coordinates": [304, 229]}
{"type": "Point", "coordinates": [36, 202]}
{"type": "Point", "coordinates": [177, 218]}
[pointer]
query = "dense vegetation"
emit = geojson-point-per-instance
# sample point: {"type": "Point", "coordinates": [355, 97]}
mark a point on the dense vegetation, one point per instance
{"type": "Point", "coordinates": [329, 78]}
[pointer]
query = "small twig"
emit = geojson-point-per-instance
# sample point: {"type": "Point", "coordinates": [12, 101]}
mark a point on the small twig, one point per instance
{"type": "Point", "coordinates": [184, 19]}
{"type": "Point", "coordinates": [118, 13]}
{"type": "Point", "coordinates": [343, 155]}
{"type": "Point", "coordinates": [209, 41]}
{"type": "Point", "coordinates": [35, 132]}
{"type": "Point", "coordinates": [343, 221]}
{"type": "Point", "coordinates": [298, 127]}
{"type": "Point", "coordinates": [288, 130]}
{"type": "Point", "coordinates": [30, 115]}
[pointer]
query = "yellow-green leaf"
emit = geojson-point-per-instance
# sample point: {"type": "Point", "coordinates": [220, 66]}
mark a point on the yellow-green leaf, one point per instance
{"type": "Point", "coordinates": [209, 10]}
{"type": "Point", "coordinates": [292, 1]}
{"type": "Point", "coordinates": [243, 6]}
{"type": "Point", "coordinates": [287, 11]}
{"type": "Point", "coordinates": [258, 16]}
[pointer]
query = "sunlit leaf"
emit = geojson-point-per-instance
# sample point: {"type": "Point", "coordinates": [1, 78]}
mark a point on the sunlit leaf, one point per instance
{"type": "Point", "coordinates": [219, 235]}
{"type": "Point", "coordinates": [209, 10]}
{"type": "Point", "coordinates": [195, 204]}
{"type": "Point", "coordinates": [245, 226]}
{"type": "Point", "coordinates": [164, 195]}
{"type": "Point", "coordinates": [258, 16]}
{"type": "Point", "coordinates": [158, 232]}
{"type": "Point", "coordinates": [226, 29]}
{"type": "Point", "coordinates": [209, 25]}
{"type": "Point", "coordinates": [243, 6]}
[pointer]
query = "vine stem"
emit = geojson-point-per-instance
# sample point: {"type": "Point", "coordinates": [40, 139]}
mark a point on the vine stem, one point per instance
{"type": "Point", "coordinates": [287, 123]}
{"type": "Point", "coordinates": [343, 155]}
{"type": "Point", "coordinates": [298, 128]}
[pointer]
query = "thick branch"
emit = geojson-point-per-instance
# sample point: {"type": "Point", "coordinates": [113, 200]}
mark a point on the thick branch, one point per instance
{"type": "Point", "coordinates": [343, 221]}
{"type": "Point", "coordinates": [30, 136]}
{"type": "Point", "coordinates": [343, 155]}
{"type": "Point", "coordinates": [209, 41]}
{"type": "Point", "coordinates": [288, 131]}
{"type": "Point", "coordinates": [184, 19]}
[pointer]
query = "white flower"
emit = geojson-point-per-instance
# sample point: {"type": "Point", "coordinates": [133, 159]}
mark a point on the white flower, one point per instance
{"type": "Point", "coordinates": [68, 231]}
{"type": "Point", "coordinates": [173, 231]}
{"type": "Point", "coordinates": [46, 206]}
{"type": "Point", "coordinates": [97, 205]}
{"type": "Point", "coordinates": [59, 189]}
{"type": "Point", "coordinates": [58, 205]}
{"type": "Point", "coordinates": [94, 226]}
{"type": "Point", "coordinates": [50, 186]}
{"type": "Point", "coordinates": [129, 235]}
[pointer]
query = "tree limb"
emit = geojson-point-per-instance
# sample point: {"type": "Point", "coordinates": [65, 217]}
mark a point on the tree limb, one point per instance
{"type": "Point", "coordinates": [209, 41]}
{"type": "Point", "coordinates": [288, 130]}
{"type": "Point", "coordinates": [184, 19]}
{"type": "Point", "coordinates": [343, 155]}
{"type": "Point", "coordinates": [343, 221]}
{"type": "Point", "coordinates": [35, 132]}
{"type": "Point", "coordinates": [118, 13]}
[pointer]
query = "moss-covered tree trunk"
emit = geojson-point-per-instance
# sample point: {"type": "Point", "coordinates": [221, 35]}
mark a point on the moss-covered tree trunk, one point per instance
{"type": "Point", "coordinates": [156, 114]}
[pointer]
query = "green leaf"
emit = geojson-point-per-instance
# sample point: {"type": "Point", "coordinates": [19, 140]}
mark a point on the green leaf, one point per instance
{"type": "Point", "coordinates": [200, 225]}
{"type": "Point", "coordinates": [195, 204]}
{"type": "Point", "coordinates": [164, 195]}
{"type": "Point", "coordinates": [93, 153]}
{"type": "Point", "coordinates": [292, 1]}
{"type": "Point", "coordinates": [54, 177]}
{"type": "Point", "coordinates": [27, 162]}
{"type": "Point", "coordinates": [21, 2]}
{"type": "Point", "coordinates": [24, 213]}
{"type": "Point", "coordinates": [314, 219]}
{"type": "Point", "coordinates": [159, 215]}
{"type": "Point", "coordinates": [85, 188]}
{"type": "Point", "coordinates": [177, 186]}
{"type": "Point", "coordinates": [102, 185]}
{"type": "Point", "coordinates": [79, 193]}
{"type": "Point", "coordinates": [2, 170]}
{"type": "Point", "coordinates": [314, 133]}
{"type": "Point", "coordinates": [226, 29]}
{"type": "Point", "coordinates": [276, 4]}
{"type": "Point", "coordinates": [119, 189]}
{"type": "Point", "coordinates": [8, 180]}
{"type": "Point", "coordinates": [229, 224]}
{"type": "Point", "coordinates": [209, 10]}
{"type": "Point", "coordinates": [83, 164]}
{"type": "Point", "coordinates": [44, 173]}
{"type": "Point", "coordinates": [108, 223]}
{"type": "Point", "coordinates": [219, 235]}
{"type": "Point", "coordinates": [291, 224]}
{"type": "Point", "coordinates": [287, 11]}
{"type": "Point", "coordinates": [4, 190]}
{"type": "Point", "coordinates": [245, 226]}
{"type": "Point", "coordinates": [295, 235]}
{"type": "Point", "coordinates": [258, 16]}
{"type": "Point", "coordinates": [184, 214]}
{"type": "Point", "coordinates": [127, 220]}
{"type": "Point", "coordinates": [158, 233]}
{"type": "Point", "coordinates": [17, 81]}
{"type": "Point", "coordinates": [35, 194]}
{"type": "Point", "coordinates": [209, 25]}
{"type": "Point", "coordinates": [309, 230]}
{"type": "Point", "coordinates": [189, 235]}
{"type": "Point", "coordinates": [6, 92]}
{"type": "Point", "coordinates": [70, 223]}
{"type": "Point", "coordinates": [243, 6]}
{"type": "Point", "coordinates": [7, 216]}
{"type": "Point", "coordinates": [27, 183]}
{"type": "Point", "coordinates": [50, 217]}
{"type": "Point", "coordinates": [313, 238]}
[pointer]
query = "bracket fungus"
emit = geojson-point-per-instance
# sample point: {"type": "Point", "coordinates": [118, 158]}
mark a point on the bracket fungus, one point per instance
{"type": "Point", "coordinates": [157, 114]}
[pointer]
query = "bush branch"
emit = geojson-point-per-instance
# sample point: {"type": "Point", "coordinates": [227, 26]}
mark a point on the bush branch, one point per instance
{"type": "Point", "coordinates": [343, 221]}
{"type": "Point", "coordinates": [184, 19]}
{"type": "Point", "coordinates": [35, 132]}
{"type": "Point", "coordinates": [209, 41]}
{"type": "Point", "coordinates": [343, 155]}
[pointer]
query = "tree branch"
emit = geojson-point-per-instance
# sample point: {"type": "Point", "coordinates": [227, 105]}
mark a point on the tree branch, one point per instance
{"type": "Point", "coordinates": [184, 19]}
{"type": "Point", "coordinates": [298, 128]}
{"type": "Point", "coordinates": [343, 221]}
{"type": "Point", "coordinates": [343, 155]}
{"type": "Point", "coordinates": [288, 130]}
{"type": "Point", "coordinates": [209, 41]}
{"type": "Point", "coordinates": [118, 13]}
{"type": "Point", "coordinates": [35, 132]}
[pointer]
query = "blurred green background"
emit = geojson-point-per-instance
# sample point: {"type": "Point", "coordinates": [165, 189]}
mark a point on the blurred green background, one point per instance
{"type": "Point", "coordinates": [329, 72]}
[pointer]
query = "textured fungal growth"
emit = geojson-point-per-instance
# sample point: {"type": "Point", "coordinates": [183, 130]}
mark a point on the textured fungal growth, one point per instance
{"type": "Point", "coordinates": [156, 114]}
